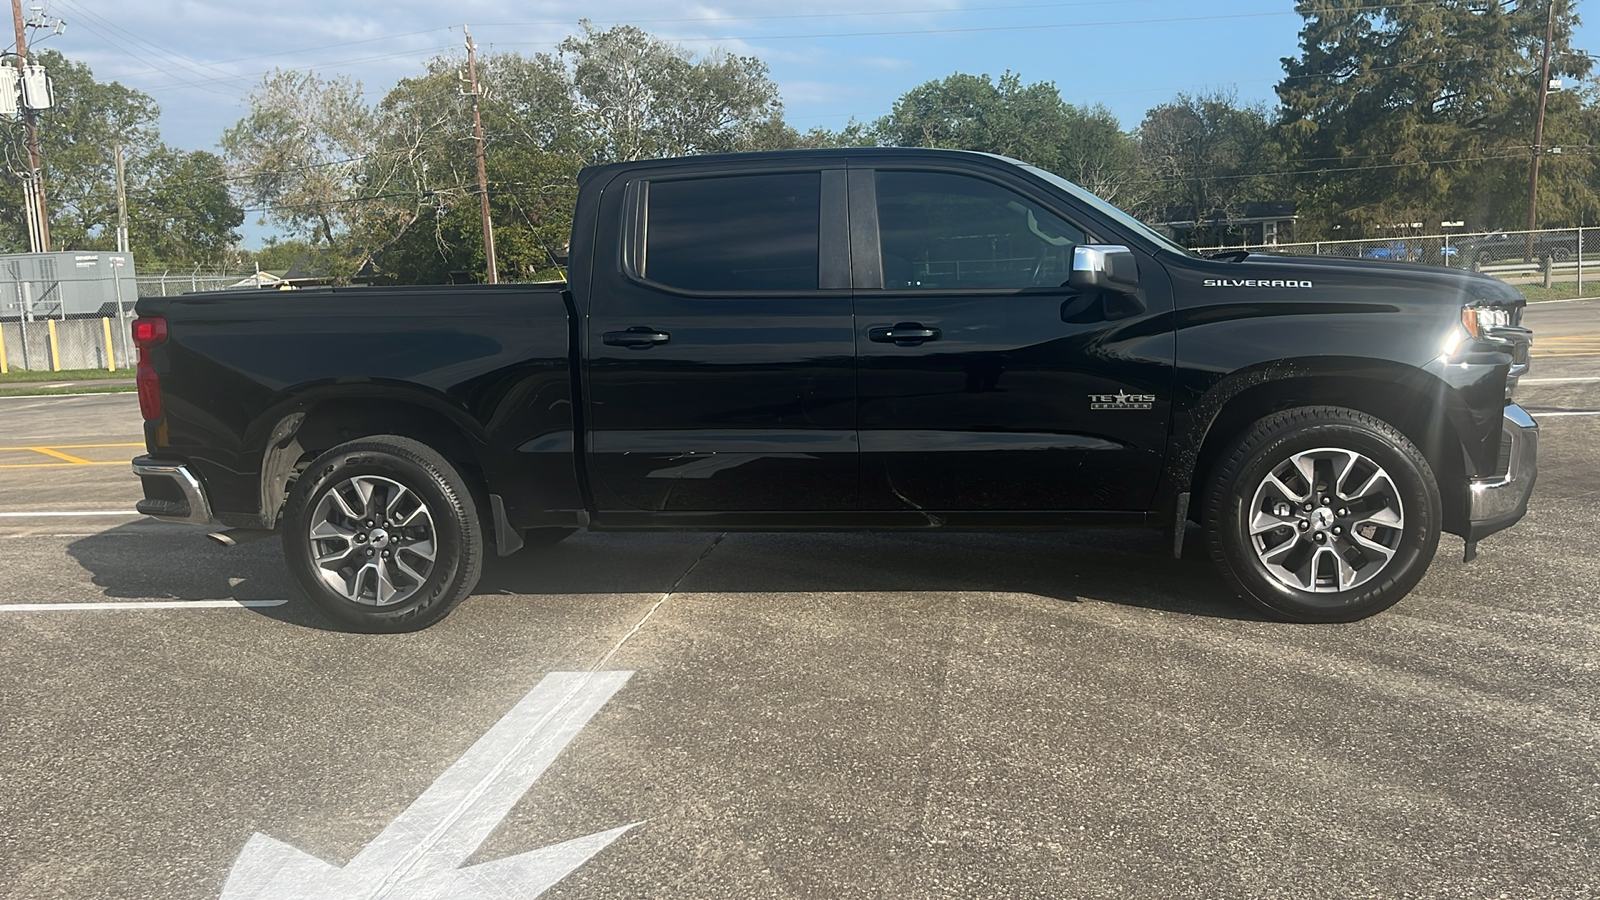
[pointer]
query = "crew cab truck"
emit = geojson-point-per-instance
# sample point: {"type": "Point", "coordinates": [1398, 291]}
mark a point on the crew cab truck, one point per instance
{"type": "Point", "coordinates": [855, 339]}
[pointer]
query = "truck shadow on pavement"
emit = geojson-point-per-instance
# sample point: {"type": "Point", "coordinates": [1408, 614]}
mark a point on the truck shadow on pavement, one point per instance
{"type": "Point", "coordinates": [1128, 568]}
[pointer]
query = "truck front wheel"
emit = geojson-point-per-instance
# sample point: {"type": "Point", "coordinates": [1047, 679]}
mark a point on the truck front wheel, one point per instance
{"type": "Point", "coordinates": [1323, 514]}
{"type": "Point", "coordinates": [383, 535]}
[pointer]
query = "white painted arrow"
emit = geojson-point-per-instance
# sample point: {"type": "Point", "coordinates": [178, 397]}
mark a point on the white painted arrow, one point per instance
{"type": "Point", "coordinates": [419, 856]}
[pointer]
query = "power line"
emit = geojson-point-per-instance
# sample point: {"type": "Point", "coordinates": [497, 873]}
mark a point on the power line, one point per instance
{"type": "Point", "coordinates": [256, 76]}
{"type": "Point", "coordinates": [132, 48]}
{"type": "Point", "coordinates": [339, 46]}
{"type": "Point", "coordinates": [186, 62]}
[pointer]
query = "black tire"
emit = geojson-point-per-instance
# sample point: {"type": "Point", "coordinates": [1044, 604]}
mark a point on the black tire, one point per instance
{"type": "Point", "coordinates": [1315, 437]}
{"type": "Point", "coordinates": [400, 476]}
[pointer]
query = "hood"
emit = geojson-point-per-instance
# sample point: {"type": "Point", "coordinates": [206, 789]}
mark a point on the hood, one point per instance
{"type": "Point", "coordinates": [1364, 277]}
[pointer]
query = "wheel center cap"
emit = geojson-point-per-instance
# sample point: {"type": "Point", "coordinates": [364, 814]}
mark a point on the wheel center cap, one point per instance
{"type": "Point", "coordinates": [379, 538]}
{"type": "Point", "coordinates": [1321, 518]}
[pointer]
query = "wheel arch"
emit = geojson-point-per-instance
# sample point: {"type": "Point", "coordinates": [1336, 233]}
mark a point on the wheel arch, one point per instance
{"type": "Point", "coordinates": [1415, 403]}
{"type": "Point", "coordinates": [316, 422]}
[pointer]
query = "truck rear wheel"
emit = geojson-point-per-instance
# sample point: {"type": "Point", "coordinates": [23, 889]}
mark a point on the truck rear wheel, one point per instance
{"type": "Point", "coordinates": [383, 535]}
{"type": "Point", "coordinates": [1323, 514]}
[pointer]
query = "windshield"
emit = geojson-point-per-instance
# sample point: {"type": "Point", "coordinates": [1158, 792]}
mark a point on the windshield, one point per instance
{"type": "Point", "coordinates": [1109, 211]}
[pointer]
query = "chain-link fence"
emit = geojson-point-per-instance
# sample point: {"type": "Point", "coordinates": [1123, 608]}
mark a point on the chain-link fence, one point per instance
{"type": "Point", "coordinates": [1551, 258]}
{"type": "Point", "coordinates": [168, 284]}
{"type": "Point", "coordinates": [51, 345]}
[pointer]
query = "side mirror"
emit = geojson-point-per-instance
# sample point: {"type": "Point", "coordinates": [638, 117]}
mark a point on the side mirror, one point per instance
{"type": "Point", "coordinates": [1103, 267]}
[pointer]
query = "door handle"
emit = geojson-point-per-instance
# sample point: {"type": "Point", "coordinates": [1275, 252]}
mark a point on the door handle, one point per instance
{"type": "Point", "coordinates": [638, 337]}
{"type": "Point", "coordinates": [903, 334]}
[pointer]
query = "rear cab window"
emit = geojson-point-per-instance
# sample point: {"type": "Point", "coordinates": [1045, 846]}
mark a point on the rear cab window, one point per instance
{"type": "Point", "coordinates": [731, 233]}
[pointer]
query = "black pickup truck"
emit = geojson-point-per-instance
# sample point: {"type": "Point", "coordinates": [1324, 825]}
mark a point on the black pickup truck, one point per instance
{"type": "Point", "coordinates": [856, 339]}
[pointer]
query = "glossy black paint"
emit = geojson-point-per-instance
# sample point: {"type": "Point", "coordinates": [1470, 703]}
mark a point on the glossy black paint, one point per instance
{"type": "Point", "coordinates": [993, 411]}
{"type": "Point", "coordinates": [767, 410]}
{"type": "Point", "coordinates": [748, 406]}
{"type": "Point", "coordinates": [489, 362]}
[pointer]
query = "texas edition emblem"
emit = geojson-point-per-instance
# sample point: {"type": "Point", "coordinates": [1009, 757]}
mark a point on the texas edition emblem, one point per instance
{"type": "Point", "coordinates": [1121, 400]}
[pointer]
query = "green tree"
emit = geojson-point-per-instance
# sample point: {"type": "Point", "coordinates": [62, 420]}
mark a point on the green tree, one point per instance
{"type": "Point", "coordinates": [1027, 122]}
{"type": "Point", "coordinates": [609, 95]}
{"type": "Point", "coordinates": [425, 221]}
{"type": "Point", "coordinates": [301, 152]}
{"type": "Point", "coordinates": [278, 255]}
{"type": "Point", "coordinates": [179, 209]}
{"type": "Point", "coordinates": [76, 140]}
{"type": "Point", "coordinates": [1205, 154]}
{"type": "Point", "coordinates": [641, 97]}
{"type": "Point", "coordinates": [1403, 112]}
{"type": "Point", "coordinates": [180, 212]}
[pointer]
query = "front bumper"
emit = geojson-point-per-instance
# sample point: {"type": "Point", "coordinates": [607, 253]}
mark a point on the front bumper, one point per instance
{"type": "Point", "coordinates": [1498, 502]}
{"type": "Point", "coordinates": [172, 492]}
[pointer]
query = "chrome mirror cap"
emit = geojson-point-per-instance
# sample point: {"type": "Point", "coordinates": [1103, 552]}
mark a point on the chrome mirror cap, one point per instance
{"type": "Point", "coordinates": [1104, 267]}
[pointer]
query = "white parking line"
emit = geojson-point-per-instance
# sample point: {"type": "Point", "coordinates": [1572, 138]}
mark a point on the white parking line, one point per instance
{"type": "Point", "coordinates": [69, 513]}
{"type": "Point", "coordinates": [1551, 415]}
{"type": "Point", "coordinates": [1556, 380]}
{"type": "Point", "coordinates": [10, 396]}
{"type": "Point", "coordinates": [139, 604]}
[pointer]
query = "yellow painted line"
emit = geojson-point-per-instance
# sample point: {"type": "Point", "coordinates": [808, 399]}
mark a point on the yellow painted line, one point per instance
{"type": "Point", "coordinates": [77, 461]}
{"type": "Point", "coordinates": [76, 446]}
{"type": "Point", "coordinates": [60, 465]}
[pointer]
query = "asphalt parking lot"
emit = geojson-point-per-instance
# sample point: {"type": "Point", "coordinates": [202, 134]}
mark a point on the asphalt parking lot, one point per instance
{"type": "Point", "coordinates": [808, 716]}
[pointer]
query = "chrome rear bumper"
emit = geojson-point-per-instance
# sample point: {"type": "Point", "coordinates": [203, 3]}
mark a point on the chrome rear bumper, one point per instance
{"type": "Point", "coordinates": [172, 492]}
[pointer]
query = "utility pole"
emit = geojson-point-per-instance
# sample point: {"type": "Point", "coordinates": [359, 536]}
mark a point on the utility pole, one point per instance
{"type": "Point", "coordinates": [1538, 130]}
{"type": "Point", "coordinates": [483, 175]}
{"type": "Point", "coordinates": [122, 205]}
{"type": "Point", "coordinates": [35, 168]}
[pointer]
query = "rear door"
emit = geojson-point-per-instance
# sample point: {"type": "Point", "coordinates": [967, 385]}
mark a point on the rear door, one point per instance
{"type": "Point", "coordinates": [984, 382]}
{"type": "Point", "coordinates": [719, 345]}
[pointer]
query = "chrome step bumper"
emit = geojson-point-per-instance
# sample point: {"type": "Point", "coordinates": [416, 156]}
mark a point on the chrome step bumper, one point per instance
{"type": "Point", "coordinates": [172, 492]}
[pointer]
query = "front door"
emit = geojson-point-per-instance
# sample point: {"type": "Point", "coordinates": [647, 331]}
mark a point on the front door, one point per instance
{"type": "Point", "coordinates": [721, 364]}
{"type": "Point", "coordinates": [984, 383]}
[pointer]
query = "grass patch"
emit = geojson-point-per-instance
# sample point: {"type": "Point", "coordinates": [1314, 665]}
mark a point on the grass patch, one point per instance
{"type": "Point", "coordinates": [88, 389]}
{"type": "Point", "coordinates": [50, 391]}
{"type": "Point", "coordinates": [16, 376]}
{"type": "Point", "coordinates": [1559, 291]}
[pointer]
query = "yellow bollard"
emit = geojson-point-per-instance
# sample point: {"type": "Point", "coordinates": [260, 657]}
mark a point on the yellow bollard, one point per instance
{"type": "Point", "coordinates": [111, 357]}
{"type": "Point", "coordinates": [4, 367]}
{"type": "Point", "coordinates": [55, 348]}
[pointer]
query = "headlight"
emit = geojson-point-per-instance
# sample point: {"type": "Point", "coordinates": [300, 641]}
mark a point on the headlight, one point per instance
{"type": "Point", "coordinates": [1478, 320]}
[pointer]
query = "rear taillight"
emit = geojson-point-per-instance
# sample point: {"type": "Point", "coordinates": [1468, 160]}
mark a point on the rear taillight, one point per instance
{"type": "Point", "coordinates": [148, 332]}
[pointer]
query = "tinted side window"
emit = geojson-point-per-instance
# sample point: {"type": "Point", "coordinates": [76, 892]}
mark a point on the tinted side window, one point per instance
{"type": "Point", "coordinates": [738, 233]}
{"type": "Point", "coordinates": [939, 230]}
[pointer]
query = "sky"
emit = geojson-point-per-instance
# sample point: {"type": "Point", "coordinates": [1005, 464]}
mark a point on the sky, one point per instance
{"type": "Point", "coordinates": [831, 59]}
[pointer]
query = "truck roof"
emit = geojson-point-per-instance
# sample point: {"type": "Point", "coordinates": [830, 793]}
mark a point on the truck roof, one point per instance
{"type": "Point", "coordinates": [713, 159]}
